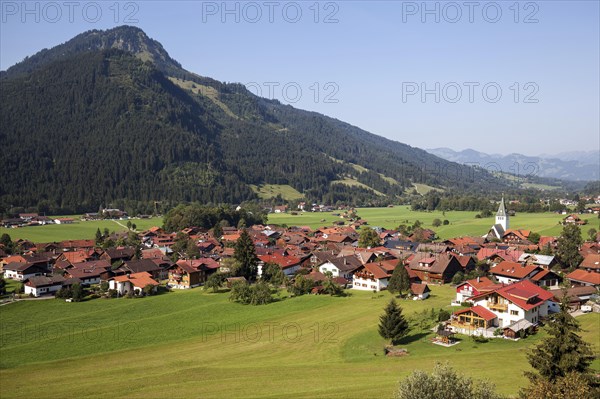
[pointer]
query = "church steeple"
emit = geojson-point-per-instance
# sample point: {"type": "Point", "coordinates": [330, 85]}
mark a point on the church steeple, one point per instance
{"type": "Point", "coordinates": [502, 215]}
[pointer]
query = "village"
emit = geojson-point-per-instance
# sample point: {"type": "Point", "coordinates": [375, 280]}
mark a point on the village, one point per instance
{"type": "Point", "coordinates": [505, 284]}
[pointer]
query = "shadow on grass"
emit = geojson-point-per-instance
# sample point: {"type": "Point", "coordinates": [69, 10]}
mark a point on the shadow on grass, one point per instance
{"type": "Point", "coordinates": [413, 338]}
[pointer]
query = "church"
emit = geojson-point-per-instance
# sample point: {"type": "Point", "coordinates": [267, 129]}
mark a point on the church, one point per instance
{"type": "Point", "coordinates": [502, 223]}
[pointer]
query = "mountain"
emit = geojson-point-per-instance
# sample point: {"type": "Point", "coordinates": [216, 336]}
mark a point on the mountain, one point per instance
{"type": "Point", "coordinates": [574, 166]}
{"type": "Point", "coordinates": [109, 118]}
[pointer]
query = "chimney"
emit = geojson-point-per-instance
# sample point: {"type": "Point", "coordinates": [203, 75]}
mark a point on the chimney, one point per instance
{"type": "Point", "coordinates": [478, 279]}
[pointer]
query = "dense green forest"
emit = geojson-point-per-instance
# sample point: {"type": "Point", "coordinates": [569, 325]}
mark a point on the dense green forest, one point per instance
{"type": "Point", "coordinates": [108, 118]}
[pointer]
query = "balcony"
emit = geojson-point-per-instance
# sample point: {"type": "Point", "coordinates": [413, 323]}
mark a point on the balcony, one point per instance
{"type": "Point", "coordinates": [466, 293]}
{"type": "Point", "coordinates": [497, 306]}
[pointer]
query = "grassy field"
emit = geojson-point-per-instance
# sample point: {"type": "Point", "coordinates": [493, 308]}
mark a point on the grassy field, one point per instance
{"type": "Point", "coordinates": [461, 223]}
{"type": "Point", "coordinates": [196, 344]}
{"type": "Point", "coordinates": [78, 230]}
{"type": "Point", "coordinates": [267, 191]}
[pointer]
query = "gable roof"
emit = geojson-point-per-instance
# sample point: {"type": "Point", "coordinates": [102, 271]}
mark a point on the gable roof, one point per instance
{"type": "Point", "coordinates": [419, 289]}
{"type": "Point", "coordinates": [376, 270]}
{"type": "Point", "coordinates": [584, 276]}
{"type": "Point", "coordinates": [591, 261]}
{"type": "Point", "coordinates": [525, 294]}
{"type": "Point", "coordinates": [479, 311]}
{"type": "Point", "coordinates": [513, 270]}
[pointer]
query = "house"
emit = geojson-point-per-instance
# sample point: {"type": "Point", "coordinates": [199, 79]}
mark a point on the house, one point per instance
{"type": "Point", "coordinates": [341, 267]}
{"type": "Point", "coordinates": [516, 236]}
{"type": "Point", "coordinates": [89, 273]}
{"type": "Point", "coordinates": [545, 261]}
{"type": "Point", "coordinates": [143, 265]}
{"type": "Point", "coordinates": [113, 255]}
{"type": "Point", "coordinates": [576, 296]}
{"type": "Point", "coordinates": [371, 277]}
{"type": "Point", "coordinates": [435, 268]}
{"type": "Point", "coordinates": [43, 285]}
{"type": "Point", "coordinates": [23, 271]}
{"type": "Point", "coordinates": [190, 273]}
{"type": "Point", "coordinates": [591, 263]}
{"type": "Point", "coordinates": [64, 220]}
{"type": "Point", "coordinates": [574, 219]}
{"type": "Point", "coordinates": [474, 287]}
{"type": "Point", "coordinates": [511, 272]}
{"type": "Point", "coordinates": [514, 330]}
{"type": "Point", "coordinates": [132, 282]}
{"type": "Point", "coordinates": [289, 264]}
{"type": "Point", "coordinates": [419, 291]}
{"type": "Point", "coordinates": [581, 277]}
{"type": "Point", "coordinates": [547, 278]}
{"type": "Point", "coordinates": [511, 303]}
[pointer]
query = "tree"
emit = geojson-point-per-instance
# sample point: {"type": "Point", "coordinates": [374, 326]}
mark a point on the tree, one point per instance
{"type": "Point", "coordinates": [240, 292]}
{"type": "Point", "coordinates": [99, 237]}
{"type": "Point", "coordinates": [77, 292]}
{"type": "Point", "coordinates": [260, 294]}
{"type": "Point", "coordinates": [215, 281]}
{"type": "Point", "coordinates": [192, 250]}
{"type": "Point", "coordinates": [217, 231]}
{"type": "Point", "coordinates": [534, 237]}
{"type": "Point", "coordinates": [272, 273]}
{"type": "Point", "coordinates": [436, 223]}
{"type": "Point", "coordinates": [458, 278]}
{"type": "Point", "coordinates": [148, 289]}
{"type": "Point", "coordinates": [330, 286]}
{"type": "Point", "coordinates": [301, 285]}
{"type": "Point", "coordinates": [392, 324]}
{"type": "Point", "coordinates": [245, 254]}
{"type": "Point", "coordinates": [563, 351]}
{"type": "Point", "coordinates": [400, 280]}
{"type": "Point", "coordinates": [571, 386]}
{"type": "Point", "coordinates": [368, 238]}
{"type": "Point", "coordinates": [567, 249]}
{"type": "Point", "coordinates": [2, 286]}
{"type": "Point", "coordinates": [7, 243]}
{"type": "Point", "coordinates": [592, 234]}
{"type": "Point", "coordinates": [443, 383]}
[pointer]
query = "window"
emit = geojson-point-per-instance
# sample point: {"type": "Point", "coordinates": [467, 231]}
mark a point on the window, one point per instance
{"type": "Point", "coordinates": [514, 312]}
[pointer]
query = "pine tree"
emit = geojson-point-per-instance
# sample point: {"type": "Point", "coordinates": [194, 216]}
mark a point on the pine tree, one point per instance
{"type": "Point", "coordinates": [400, 280]}
{"type": "Point", "coordinates": [99, 237]}
{"type": "Point", "coordinates": [245, 254]}
{"type": "Point", "coordinates": [563, 351]}
{"type": "Point", "coordinates": [568, 246]}
{"type": "Point", "coordinates": [392, 324]}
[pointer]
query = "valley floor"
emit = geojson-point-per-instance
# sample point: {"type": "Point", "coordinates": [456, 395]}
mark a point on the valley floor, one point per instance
{"type": "Point", "coordinates": [198, 344]}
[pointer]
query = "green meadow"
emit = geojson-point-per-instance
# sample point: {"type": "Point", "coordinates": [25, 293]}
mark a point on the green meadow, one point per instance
{"type": "Point", "coordinates": [77, 230]}
{"type": "Point", "coordinates": [462, 223]}
{"type": "Point", "coordinates": [198, 344]}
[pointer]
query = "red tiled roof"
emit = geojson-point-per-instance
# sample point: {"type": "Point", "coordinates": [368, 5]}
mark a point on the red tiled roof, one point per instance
{"type": "Point", "coordinates": [584, 276]}
{"type": "Point", "coordinates": [591, 261]}
{"type": "Point", "coordinates": [283, 261]}
{"type": "Point", "coordinates": [512, 269]}
{"type": "Point", "coordinates": [525, 294]}
{"type": "Point", "coordinates": [377, 271]}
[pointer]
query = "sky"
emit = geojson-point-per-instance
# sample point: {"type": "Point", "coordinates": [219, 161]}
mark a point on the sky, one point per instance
{"type": "Point", "coordinates": [498, 77]}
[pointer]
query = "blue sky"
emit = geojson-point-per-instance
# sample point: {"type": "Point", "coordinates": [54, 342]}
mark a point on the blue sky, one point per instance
{"type": "Point", "coordinates": [495, 76]}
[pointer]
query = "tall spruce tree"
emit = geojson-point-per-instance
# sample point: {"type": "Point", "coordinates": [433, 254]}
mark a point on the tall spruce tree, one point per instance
{"type": "Point", "coordinates": [245, 254]}
{"type": "Point", "coordinates": [563, 351]}
{"type": "Point", "coordinates": [400, 280]}
{"type": "Point", "coordinates": [392, 324]}
{"type": "Point", "coordinates": [568, 246]}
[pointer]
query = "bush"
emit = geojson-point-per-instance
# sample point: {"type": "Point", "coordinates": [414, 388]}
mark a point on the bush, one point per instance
{"type": "Point", "coordinates": [479, 339]}
{"type": "Point", "coordinates": [436, 223]}
{"type": "Point", "coordinates": [498, 332]}
{"type": "Point", "coordinates": [446, 222]}
{"type": "Point", "coordinates": [104, 286]}
{"type": "Point", "coordinates": [443, 315]}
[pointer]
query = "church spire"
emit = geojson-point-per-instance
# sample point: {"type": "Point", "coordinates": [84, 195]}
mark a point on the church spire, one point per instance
{"type": "Point", "coordinates": [501, 208]}
{"type": "Point", "coordinates": [502, 215]}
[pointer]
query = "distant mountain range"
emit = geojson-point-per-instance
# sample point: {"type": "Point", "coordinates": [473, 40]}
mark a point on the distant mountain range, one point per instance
{"type": "Point", "coordinates": [574, 166]}
{"type": "Point", "coordinates": [110, 118]}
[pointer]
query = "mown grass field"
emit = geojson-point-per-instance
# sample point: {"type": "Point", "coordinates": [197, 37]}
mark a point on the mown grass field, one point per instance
{"type": "Point", "coordinates": [197, 344]}
{"type": "Point", "coordinates": [78, 230]}
{"type": "Point", "coordinates": [462, 223]}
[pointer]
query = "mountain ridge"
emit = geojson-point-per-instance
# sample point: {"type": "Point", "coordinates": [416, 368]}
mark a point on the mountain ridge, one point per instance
{"type": "Point", "coordinates": [211, 141]}
{"type": "Point", "coordinates": [574, 166]}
